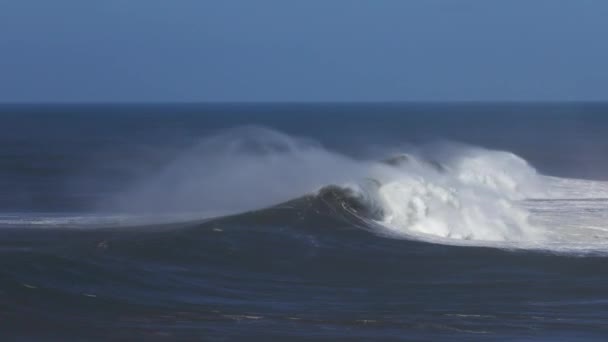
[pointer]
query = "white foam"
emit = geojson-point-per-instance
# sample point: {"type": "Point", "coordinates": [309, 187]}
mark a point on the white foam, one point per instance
{"type": "Point", "coordinates": [495, 199]}
{"type": "Point", "coordinates": [472, 198]}
{"type": "Point", "coordinates": [92, 220]}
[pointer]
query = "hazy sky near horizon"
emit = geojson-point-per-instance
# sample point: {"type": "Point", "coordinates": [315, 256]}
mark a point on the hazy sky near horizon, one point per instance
{"type": "Point", "coordinates": [303, 50]}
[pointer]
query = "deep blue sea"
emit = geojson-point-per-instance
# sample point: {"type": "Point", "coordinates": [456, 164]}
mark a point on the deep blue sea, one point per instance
{"type": "Point", "coordinates": [274, 222]}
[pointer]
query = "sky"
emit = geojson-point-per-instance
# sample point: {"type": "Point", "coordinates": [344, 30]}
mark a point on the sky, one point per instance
{"type": "Point", "coordinates": [303, 50]}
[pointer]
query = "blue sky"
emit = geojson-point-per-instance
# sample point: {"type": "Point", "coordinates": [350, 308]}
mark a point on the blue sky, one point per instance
{"type": "Point", "coordinates": [303, 50]}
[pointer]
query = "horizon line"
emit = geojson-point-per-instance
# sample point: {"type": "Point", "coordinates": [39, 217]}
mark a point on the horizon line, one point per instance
{"type": "Point", "coordinates": [401, 102]}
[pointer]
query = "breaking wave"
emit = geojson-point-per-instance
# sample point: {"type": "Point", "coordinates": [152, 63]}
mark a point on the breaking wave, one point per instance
{"type": "Point", "coordinates": [448, 193]}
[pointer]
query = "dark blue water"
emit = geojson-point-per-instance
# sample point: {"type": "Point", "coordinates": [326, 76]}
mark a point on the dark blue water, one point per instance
{"type": "Point", "coordinates": [202, 222]}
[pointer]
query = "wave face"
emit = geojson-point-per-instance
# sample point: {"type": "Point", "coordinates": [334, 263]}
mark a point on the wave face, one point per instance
{"type": "Point", "coordinates": [255, 234]}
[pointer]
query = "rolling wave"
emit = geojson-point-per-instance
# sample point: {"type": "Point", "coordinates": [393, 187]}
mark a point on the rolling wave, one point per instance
{"type": "Point", "coordinates": [447, 194]}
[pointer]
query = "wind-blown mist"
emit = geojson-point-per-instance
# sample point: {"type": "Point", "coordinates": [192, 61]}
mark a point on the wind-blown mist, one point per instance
{"type": "Point", "coordinates": [240, 169]}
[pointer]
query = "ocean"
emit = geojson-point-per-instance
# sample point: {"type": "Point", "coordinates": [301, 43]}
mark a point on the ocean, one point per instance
{"type": "Point", "coordinates": [295, 221]}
